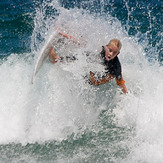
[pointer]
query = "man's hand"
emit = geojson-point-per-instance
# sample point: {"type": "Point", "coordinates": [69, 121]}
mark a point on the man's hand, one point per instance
{"type": "Point", "coordinates": [124, 89]}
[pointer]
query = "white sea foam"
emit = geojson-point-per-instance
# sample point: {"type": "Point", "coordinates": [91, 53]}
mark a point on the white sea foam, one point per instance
{"type": "Point", "coordinates": [60, 102]}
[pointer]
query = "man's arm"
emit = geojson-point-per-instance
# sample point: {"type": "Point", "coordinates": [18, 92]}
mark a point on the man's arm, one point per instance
{"type": "Point", "coordinates": [121, 84]}
{"type": "Point", "coordinates": [105, 80]}
{"type": "Point", "coordinates": [100, 81]}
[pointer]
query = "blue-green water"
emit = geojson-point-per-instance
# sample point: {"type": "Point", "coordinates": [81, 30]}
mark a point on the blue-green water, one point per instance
{"type": "Point", "coordinates": [61, 118]}
{"type": "Point", "coordinates": [144, 17]}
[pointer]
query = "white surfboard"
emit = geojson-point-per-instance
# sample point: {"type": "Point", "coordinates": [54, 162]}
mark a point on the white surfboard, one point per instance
{"type": "Point", "coordinates": [44, 52]}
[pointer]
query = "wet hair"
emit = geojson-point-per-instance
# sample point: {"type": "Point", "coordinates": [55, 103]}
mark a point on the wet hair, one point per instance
{"type": "Point", "coordinates": [115, 43]}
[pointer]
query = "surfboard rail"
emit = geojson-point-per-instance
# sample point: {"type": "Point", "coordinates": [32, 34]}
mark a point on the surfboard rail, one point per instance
{"type": "Point", "coordinates": [43, 54]}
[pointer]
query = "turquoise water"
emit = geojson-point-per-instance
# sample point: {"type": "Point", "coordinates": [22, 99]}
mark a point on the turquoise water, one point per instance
{"type": "Point", "coordinates": [61, 118]}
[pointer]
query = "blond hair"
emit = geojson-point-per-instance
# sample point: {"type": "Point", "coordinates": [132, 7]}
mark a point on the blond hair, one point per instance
{"type": "Point", "coordinates": [115, 43]}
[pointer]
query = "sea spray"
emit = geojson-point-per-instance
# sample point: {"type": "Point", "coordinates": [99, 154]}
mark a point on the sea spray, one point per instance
{"type": "Point", "coordinates": [61, 117]}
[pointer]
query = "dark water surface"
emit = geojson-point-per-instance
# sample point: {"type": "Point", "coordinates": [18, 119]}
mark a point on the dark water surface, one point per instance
{"type": "Point", "coordinates": [143, 17]}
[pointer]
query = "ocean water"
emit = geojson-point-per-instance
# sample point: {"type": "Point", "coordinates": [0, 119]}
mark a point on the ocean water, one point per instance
{"type": "Point", "coordinates": [61, 118]}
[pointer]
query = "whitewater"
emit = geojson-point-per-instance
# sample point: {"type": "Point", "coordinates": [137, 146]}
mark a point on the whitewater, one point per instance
{"type": "Point", "coordinates": [62, 107]}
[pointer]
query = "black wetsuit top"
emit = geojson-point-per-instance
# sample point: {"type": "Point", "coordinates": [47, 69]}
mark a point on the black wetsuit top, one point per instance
{"type": "Point", "coordinates": [113, 66]}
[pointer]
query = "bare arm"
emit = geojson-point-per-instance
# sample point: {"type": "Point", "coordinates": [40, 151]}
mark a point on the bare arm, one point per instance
{"type": "Point", "coordinates": [105, 80]}
{"type": "Point", "coordinates": [100, 81]}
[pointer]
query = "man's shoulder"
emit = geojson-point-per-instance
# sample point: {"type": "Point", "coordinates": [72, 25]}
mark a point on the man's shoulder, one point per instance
{"type": "Point", "coordinates": [116, 60]}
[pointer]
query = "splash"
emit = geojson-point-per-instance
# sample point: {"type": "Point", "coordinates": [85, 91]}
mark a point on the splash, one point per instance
{"type": "Point", "coordinates": [61, 103]}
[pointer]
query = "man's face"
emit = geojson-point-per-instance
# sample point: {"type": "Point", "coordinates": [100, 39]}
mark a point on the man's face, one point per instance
{"type": "Point", "coordinates": [111, 52]}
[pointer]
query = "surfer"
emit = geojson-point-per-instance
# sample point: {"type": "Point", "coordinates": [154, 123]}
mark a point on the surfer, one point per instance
{"type": "Point", "coordinates": [112, 65]}
{"type": "Point", "coordinates": [110, 61]}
